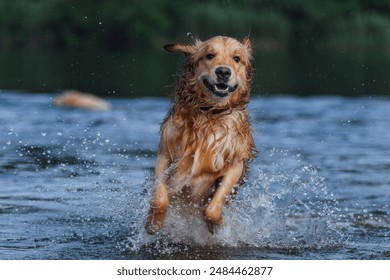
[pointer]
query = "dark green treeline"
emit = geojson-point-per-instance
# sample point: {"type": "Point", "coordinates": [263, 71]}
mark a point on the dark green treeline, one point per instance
{"type": "Point", "coordinates": [120, 25]}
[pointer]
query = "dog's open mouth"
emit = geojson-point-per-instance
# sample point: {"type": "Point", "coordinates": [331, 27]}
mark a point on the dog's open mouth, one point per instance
{"type": "Point", "coordinates": [220, 89]}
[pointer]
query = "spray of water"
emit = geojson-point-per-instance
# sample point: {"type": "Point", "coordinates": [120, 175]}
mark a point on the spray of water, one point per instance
{"type": "Point", "coordinates": [279, 207]}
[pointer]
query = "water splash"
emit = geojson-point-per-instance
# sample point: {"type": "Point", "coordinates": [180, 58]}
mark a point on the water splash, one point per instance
{"type": "Point", "coordinates": [278, 208]}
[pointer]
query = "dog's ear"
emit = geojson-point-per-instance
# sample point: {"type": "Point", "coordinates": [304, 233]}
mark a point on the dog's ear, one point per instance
{"type": "Point", "coordinates": [183, 48]}
{"type": "Point", "coordinates": [247, 43]}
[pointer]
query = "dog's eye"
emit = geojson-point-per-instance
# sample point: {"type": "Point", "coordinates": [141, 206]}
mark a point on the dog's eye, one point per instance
{"type": "Point", "coordinates": [209, 56]}
{"type": "Point", "coordinates": [237, 58]}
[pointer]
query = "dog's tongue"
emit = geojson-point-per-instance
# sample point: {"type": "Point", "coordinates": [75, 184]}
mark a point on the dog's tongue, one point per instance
{"type": "Point", "coordinates": [221, 87]}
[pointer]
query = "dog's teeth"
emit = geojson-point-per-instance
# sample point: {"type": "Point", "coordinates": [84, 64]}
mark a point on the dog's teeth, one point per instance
{"type": "Point", "coordinates": [219, 89]}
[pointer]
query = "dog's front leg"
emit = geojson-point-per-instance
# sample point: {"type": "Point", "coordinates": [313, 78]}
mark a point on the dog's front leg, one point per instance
{"type": "Point", "coordinates": [160, 201]}
{"type": "Point", "coordinates": [213, 211]}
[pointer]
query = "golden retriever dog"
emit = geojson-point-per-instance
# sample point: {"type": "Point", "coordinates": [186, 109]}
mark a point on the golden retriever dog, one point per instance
{"type": "Point", "coordinates": [77, 99]}
{"type": "Point", "coordinates": [206, 139]}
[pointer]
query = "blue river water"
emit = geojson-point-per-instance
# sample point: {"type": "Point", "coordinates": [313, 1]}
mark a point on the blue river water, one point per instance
{"type": "Point", "coordinates": [76, 184]}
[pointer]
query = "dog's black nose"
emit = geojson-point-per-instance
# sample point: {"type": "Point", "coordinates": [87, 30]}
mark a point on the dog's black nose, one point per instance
{"type": "Point", "coordinates": [223, 73]}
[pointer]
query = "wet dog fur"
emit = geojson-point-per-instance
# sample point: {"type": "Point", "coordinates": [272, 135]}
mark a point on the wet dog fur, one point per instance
{"type": "Point", "coordinates": [206, 138]}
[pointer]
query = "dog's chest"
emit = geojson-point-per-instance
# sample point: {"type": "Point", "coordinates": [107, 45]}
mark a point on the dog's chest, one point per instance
{"type": "Point", "coordinates": [208, 145]}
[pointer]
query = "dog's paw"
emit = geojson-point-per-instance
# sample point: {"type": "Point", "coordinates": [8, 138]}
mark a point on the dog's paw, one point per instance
{"type": "Point", "coordinates": [152, 228]}
{"type": "Point", "coordinates": [212, 216]}
{"type": "Point", "coordinates": [153, 225]}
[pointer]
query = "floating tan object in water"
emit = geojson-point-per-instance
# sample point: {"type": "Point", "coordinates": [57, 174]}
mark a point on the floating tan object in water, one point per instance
{"type": "Point", "coordinates": [77, 99]}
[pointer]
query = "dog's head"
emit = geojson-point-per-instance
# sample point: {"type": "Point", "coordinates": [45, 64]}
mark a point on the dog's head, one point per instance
{"type": "Point", "coordinates": [218, 71]}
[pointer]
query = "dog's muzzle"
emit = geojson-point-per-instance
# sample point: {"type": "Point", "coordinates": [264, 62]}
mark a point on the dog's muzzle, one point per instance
{"type": "Point", "coordinates": [219, 89]}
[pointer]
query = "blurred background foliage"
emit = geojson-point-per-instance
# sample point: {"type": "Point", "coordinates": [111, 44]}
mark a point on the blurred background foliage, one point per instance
{"type": "Point", "coordinates": [356, 27]}
{"type": "Point", "coordinates": [128, 24]}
